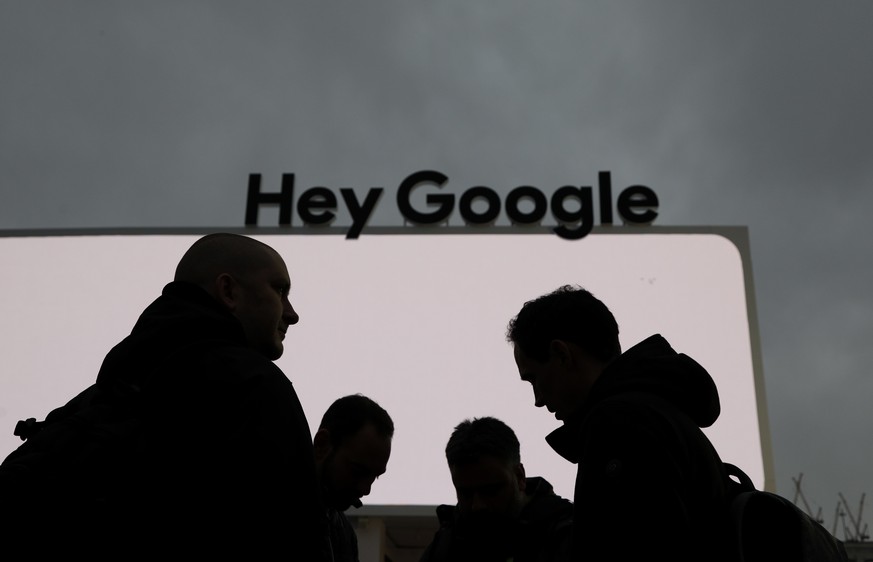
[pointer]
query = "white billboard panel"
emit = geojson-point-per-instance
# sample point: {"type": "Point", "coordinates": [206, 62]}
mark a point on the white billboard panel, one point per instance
{"type": "Point", "coordinates": [415, 321]}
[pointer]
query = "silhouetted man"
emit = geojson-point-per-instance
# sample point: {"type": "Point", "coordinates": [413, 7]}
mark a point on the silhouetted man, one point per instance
{"type": "Point", "coordinates": [217, 458]}
{"type": "Point", "coordinates": [649, 483]}
{"type": "Point", "coordinates": [501, 514]}
{"type": "Point", "coordinates": [352, 447]}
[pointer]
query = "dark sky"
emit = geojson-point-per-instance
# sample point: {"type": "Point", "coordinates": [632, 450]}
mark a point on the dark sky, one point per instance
{"type": "Point", "coordinates": [743, 113]}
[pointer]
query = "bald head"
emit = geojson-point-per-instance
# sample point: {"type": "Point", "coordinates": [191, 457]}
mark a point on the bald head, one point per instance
{"type": "Point", "coordinates": [250, 280]}
{"type": "Point", "coordinates": [215, 254]}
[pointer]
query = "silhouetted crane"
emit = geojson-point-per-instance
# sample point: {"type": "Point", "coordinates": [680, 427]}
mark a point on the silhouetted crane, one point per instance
{"type": "Point", "coordinates": [856, 533]}
{"type": "Point", "coordinates": [854, 530]}
{"type": "Point", "coordinates": [798, 493]}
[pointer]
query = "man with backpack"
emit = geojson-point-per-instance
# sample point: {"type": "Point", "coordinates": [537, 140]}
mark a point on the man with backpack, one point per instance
{"type": "Point", "coordinates": [650, 485]}
{"type": "Point", "coordinates": [191, 442]}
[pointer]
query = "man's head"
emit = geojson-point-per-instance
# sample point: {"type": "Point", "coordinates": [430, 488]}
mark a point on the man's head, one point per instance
{"type": "Point", "coordinates": [250, 280]}
{"type": "Point", "coordinates": [352, 447]}
{"type": "Point", "coordinates": [562, 342]}
{"type": "Point", "coordinates": [485, 462]}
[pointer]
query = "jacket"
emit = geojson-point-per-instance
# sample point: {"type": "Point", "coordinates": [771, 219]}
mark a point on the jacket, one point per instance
{"type": "Point", "coordinates": [649, 483]}
{"type": "Point", "coordinates": [541, 534]}
{"type": "Point", "coordinates": [216, 458]}
{"type": "Point", "coordinates": [343, 539]}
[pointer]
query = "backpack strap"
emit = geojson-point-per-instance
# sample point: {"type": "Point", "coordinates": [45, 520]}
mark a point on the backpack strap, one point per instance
{"type": "Point", "coordinates": [25, 429]}
{"type": "Point", "coordinates": [739, 481]}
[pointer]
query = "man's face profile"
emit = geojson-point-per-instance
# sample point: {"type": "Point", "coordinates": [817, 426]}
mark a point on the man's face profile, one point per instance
{"type": "Point", "coordinates": [349, 469]}
{"type": "Point", "coordinates": [263, 308]}
{"type": "Point", "coordinates": [563, 381]}
{"type": "Point", "coordinates": [548, 383]}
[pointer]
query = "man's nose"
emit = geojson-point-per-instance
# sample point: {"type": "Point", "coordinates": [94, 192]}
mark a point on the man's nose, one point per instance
{"type": "Point", "coordinates": [289, 314]}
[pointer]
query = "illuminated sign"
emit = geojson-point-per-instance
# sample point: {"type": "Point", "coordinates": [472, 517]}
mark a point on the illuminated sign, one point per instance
{"type": "Point", "coordinates": [415, 321]}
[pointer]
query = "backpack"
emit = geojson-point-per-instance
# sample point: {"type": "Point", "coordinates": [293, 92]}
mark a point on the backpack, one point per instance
{"type": "Point", "coordinates": [83, 452]}
{"type": "Point", "coordinates": [74, 460]}
{"type": "Point", "coordinates": [762, 526]}
{"type": "Point", "coordinates": [767, 526]}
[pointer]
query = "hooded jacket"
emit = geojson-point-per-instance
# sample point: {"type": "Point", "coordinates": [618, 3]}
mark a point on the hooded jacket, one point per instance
{"type": "Point", "coordinates": [649, 483]}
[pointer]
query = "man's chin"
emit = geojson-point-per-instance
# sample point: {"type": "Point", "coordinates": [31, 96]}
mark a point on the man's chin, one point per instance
{"type": "Point", "coordinates": [276, 352]}
{"type": "Point", "coordinates": [567, 417]}
{"type": "Point", "coordinates": [347, 505]}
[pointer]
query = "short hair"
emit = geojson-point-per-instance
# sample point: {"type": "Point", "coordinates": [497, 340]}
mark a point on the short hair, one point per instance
{"type": "Point", "coordinates": [482, 437]}
{"type": "Point", "coordinates": [222, 252]}
{"type": "Point", "coordinates": [569, 313]}
{"type": "Point", "coordinates": [349, 414]}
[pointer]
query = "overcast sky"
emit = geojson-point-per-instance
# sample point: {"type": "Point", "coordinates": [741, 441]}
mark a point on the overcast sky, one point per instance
{"type": "Point", "coordinates": [153, 114]}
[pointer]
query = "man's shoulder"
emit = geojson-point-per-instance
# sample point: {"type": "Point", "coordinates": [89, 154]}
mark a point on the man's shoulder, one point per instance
{"type": "Point", "coordinates": [214, 377]}
{"type": "Point", "coordinates": [339, 519]}
{"type": "Point", "coordinates": [544, 503]}
{"type": "Point", "coordinates": [343, 538]}
{"type": "Point", "coordinates": [539, 487]}
{"type": "Point", "coordinates": [442, 545]}
{"type": "Point", "coordinates": [446, 514]}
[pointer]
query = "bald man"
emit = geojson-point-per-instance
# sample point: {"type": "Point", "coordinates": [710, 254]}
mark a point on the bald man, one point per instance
{"type": "Point", "coordinates": [218, 459]}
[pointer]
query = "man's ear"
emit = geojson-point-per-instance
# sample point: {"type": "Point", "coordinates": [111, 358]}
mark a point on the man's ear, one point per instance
{"type": "Point", "coordinates": [558, 349]}
{"type": "Point", "coordinates": [322, 445]}
{"type": "Point", "coordinates": [521, 477]}
{"type": "Point", "coordinates": [226, 291]}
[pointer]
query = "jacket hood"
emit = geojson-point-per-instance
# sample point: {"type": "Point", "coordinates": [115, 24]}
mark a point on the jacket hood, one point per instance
{"type": "Point", "coordinates": [183, 316]}
{"type": "Point", "coordinates": [650, 368]}
{"type": "Point", "coordinates": [653, 367]}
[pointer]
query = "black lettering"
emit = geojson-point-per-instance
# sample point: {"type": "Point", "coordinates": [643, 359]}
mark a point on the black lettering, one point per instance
{"type": "Point", "coordinates": [585, 214]}
{"type": "Point", "coordinates": [445, 202]}
{"type": "Point", "coordinates": [360, 212]}
{"type": "Point", "coordinates": [604, 182]}
{"type": "Point", "coordinates": [526, 204]}
{"type": "Point", "coordinates": [256, 198]}
{"type": "Point", "coordinates": [317, 199]}
{"type": "Point", "coordinates": [638, 197]}
{"type": "Point", "coordinates": [489, 215]}
{"type": "Point", "coordinates": [516, 215]}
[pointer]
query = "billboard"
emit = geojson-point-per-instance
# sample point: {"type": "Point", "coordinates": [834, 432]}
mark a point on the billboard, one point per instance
{"type": "Point", "coordinates": [416, 321]}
